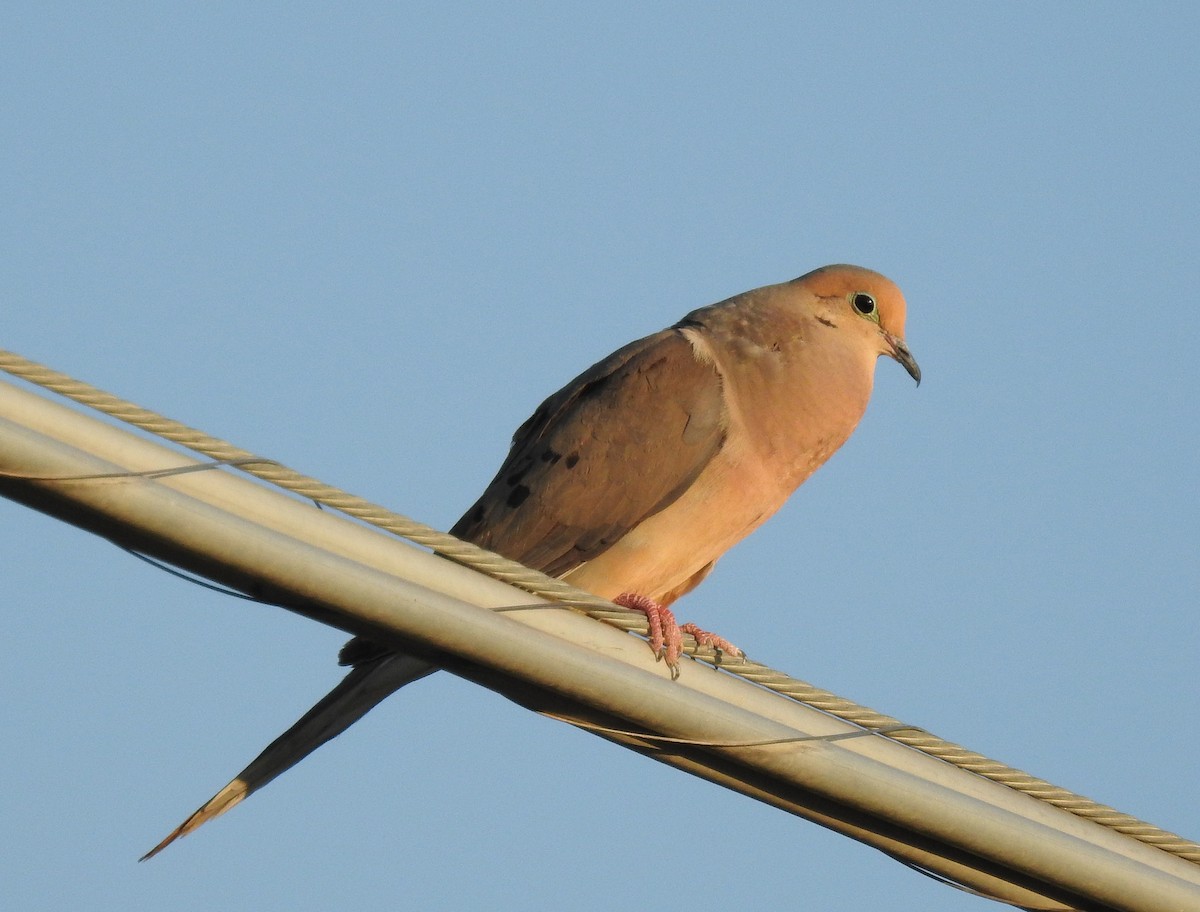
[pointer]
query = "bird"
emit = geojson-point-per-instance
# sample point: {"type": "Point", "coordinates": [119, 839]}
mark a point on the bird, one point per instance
{"type": "Point", "coordinates": [632, 480]}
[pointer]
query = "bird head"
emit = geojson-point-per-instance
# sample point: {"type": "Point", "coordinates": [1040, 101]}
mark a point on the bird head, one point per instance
{"type": "Point", "coordinates": [864, 303]}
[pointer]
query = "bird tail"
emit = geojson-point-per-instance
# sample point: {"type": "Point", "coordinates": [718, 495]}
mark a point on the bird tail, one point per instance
{"type": "Point", "coordinates": [360, 691]}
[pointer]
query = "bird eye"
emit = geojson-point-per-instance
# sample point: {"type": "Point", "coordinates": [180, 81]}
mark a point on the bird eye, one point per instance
{"type": "Point", "coordinates": [865, 304]}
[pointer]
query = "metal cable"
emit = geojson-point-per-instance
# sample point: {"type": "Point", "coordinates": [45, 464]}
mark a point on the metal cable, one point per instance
{"type": "Point", "coordinates": [539, 584]}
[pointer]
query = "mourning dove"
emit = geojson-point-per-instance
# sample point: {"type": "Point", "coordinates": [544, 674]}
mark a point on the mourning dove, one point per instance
{"type": "Point", "coordinates": [632, 480]}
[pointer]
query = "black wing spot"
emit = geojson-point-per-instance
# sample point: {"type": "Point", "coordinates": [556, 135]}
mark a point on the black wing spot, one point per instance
{"type": "Point", "coordinates": [550, 456]}
{"type": "Point", "coordinates": [572, 460]}
{"type": "Point", "coordinates": [517, 496]}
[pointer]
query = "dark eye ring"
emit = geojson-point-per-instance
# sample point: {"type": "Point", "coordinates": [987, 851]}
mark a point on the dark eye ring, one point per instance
{"type": "Point", "coordinates": [864, 303]}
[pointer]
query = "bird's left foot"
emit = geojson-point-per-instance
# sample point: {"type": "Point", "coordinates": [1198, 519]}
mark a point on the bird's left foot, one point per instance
{"type": "Point", "coordinates": [705, 638]}
{"type": "Point", "coordinates": [666, 635]}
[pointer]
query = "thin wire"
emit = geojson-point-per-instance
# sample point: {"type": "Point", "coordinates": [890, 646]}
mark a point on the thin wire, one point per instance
{"type": "Point", "coordinates": [539, 584]}
{"type": "Point", "coordinates": [191, 578]}
{"type": "Point", "coordinates": [698, 742]}
{"type": "Point", "coordinates": [129, 475]}
{"type": "Point", "coordinates": [951, 882]}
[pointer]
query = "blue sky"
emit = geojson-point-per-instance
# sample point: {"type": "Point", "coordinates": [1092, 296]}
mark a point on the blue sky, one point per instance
{"type": "Point", "coordinates": [367, 239]}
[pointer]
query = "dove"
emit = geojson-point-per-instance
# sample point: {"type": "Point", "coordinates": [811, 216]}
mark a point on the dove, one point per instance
{"type": "Point", "coordinates": [637, 476]}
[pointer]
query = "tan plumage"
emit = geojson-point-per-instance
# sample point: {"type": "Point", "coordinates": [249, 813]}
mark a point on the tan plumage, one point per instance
{"type": "Point", "coordinates": [640, 473]}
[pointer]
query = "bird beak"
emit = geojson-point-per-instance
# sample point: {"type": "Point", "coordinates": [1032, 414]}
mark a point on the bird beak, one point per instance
{"type": "Point", "coordinates": [900, 352]}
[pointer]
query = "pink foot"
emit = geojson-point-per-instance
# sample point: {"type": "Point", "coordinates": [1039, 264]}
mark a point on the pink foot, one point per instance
{"type": "Point", "coordinates": [704, 638]}
{"type": "Point", "coordinates": [666, 639]}
{"type": "Point", "coordinates": [666, 636]}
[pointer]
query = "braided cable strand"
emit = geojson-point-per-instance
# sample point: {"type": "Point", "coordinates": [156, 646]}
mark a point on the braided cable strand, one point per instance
{"type": "Point", "coordinates": [539, 584]}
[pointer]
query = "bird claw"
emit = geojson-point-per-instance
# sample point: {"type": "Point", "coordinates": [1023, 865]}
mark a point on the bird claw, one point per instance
{"type": "Point", "coordinates": [666, 639]}
{"type": "Point", "coordinates": [712, 640]}
{"type": "Point", "coordinates": [666, 635]}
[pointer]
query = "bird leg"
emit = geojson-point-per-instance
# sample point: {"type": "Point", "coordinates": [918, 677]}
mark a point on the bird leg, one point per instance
{"type": "Point", "coordinates": [666, 635]}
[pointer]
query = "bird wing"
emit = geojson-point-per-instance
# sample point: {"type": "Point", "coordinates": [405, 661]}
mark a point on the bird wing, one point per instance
{"type": "Point", "coordinates": [616, 445]}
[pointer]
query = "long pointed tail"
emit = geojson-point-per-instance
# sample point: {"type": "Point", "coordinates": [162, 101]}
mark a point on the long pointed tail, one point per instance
{"type": "Point", "coordinates": [360, 691]}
